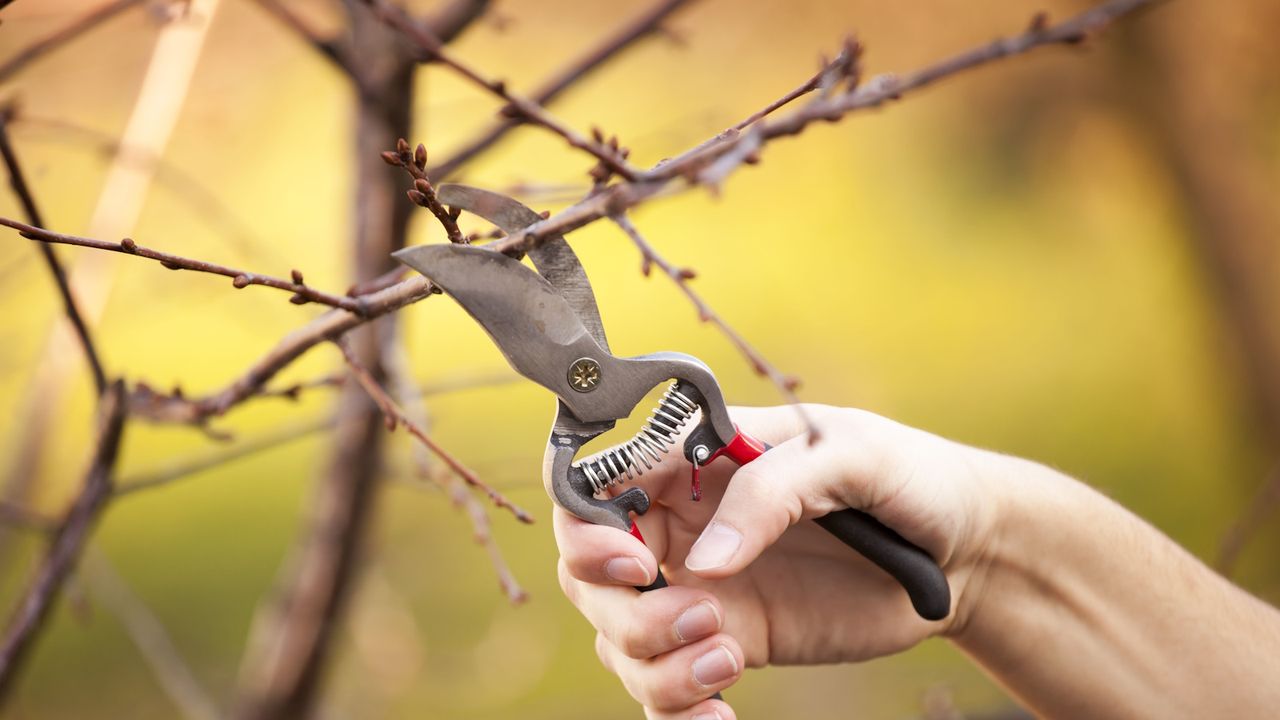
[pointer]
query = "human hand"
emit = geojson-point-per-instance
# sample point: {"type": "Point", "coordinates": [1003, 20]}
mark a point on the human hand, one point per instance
{"type": "Point", "coordinates": [760, 587]}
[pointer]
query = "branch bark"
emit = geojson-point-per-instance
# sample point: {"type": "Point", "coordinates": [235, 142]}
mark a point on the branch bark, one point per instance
{"type": "Point", "coordinates": [68, 540]}
{"type": "Point", "coordinates": [552, 88]}
{"type": "Point", "coordinates": [293, 633]}
{"type": "Point", "coordinates": [18, 182]}
{"type": "Point", "coordinates": [62, 36]}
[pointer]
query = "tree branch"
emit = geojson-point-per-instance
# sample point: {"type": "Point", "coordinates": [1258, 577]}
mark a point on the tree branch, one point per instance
{"type": "Point", "coordinates": [395, 416]}
{"type": "Point", "coordinates": [423, 192]}
{"type": "Point", "coordinates": [20, 188]}
{"type": "Point", "coordinates": [329, 48]}
{"type": "Point", "coordinates": [517, 106]}
{"type": "Point", "coordinates": [411, 400]}
{"type": "Point", "coordinates": [302, 293]}
{"type": "Point", "coordinates": [786, 384]}
{"type": "Point", "coordinates": [62, 36]}
{"type": "Point", "coordinates": [551, 89]}
{"type": "Point", "coordinates": [67, 542]}
{"type": "Point", "coordinates": [451, 20]}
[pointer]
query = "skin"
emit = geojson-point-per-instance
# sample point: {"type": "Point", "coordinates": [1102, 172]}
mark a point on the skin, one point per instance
{"type": "Point", "coordinates": [1076, 606]}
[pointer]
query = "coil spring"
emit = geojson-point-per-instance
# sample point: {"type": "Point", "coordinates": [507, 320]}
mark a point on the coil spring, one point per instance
{"type": "Point", "coordinates": [633, 457]}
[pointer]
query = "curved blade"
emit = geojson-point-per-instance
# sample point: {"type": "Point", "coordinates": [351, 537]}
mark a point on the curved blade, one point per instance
{"type": "Point", "coordinates": [530, 321]}
{"type": "Point", "coordinates": [553, 257]}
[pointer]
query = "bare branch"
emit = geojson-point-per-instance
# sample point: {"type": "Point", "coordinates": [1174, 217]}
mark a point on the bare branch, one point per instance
{"type": "Point", "coordinates": [63, 35]}
{"type": "Point", "coordinates": [150, 637]}
{"type": "Point", "coordinates": [175, 471]}
{"type": "Point", "coordinates": [517, 106]}
{"type": "Point", "coordinates": [423, 193]}
{"type": "Point", "coordinates": [330, 48]}
{"type": "Point", "coordinates": [395, 416]}
{"type": "Point", "coordinates": [451, 20]}
{"type": "Point", "coordinates": [67, 542]}
{"type": "Point", "coordinates": [612, 200]}
{"type": "Point", "coordinates": [332, 324]}
{"type": "Point", "coordinates": [302, 293]}
{"type": "Point", "coordinates": [411, 400]}
{"type": "Point", "coordinates": [20, 517]}
{"type": "Point", "coordinates": [20, 188]}
{"type": "Point", "coordinates": [786, 384]}
{"type": "Point", "coordinates": [551, 89]}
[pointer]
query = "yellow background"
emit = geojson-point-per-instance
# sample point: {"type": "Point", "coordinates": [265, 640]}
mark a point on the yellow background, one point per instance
{"type": "Point", "coordinates": [1006, 259]}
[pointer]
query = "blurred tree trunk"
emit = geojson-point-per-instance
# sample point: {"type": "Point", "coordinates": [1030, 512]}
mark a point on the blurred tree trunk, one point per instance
{"type": "Point", "coordinates": [1206, 134]}
{"type": "Point", "coordinates": [292, 634]}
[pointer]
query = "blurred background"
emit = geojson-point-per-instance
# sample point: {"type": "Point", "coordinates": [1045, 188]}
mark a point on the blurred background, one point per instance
{"type": "Point", "coordinates": [1068, 256]}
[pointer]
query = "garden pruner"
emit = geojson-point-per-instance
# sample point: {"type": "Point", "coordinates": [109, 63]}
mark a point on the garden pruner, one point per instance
{"type": "Point", "coordinates": [547, 325]}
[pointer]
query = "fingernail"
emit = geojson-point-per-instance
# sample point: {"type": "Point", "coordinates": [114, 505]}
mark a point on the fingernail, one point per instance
{"type": "Point", "coordinates": [697, 622]}
{"type": "Point", "coordinates": [715, 667]}
{"type": "Point", "coordinates": [715, 548]}
{"type": "Point", "coordinates": [627, 570]}
{"type": "Point", "coordinates": [713, 715]}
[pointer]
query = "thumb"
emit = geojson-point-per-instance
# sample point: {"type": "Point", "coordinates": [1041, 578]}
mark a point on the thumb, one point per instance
{"type": "Point", "coordinates": [763, 498]}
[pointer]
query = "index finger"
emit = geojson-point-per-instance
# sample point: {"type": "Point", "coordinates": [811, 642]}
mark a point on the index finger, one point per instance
{"type": "Point", "coordinates": [602, 555]}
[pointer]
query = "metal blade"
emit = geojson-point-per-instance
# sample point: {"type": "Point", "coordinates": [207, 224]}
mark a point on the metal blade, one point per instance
{"type": "Point", "coordinates": [529, 320]}
{"type": "Point", "coordinates": [553, 257]}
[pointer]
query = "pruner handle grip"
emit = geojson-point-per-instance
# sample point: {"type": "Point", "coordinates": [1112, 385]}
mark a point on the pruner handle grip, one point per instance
{"type": "Point", "coordinates": [911, 566]}
{"type": "Point", "coordinates": [659, 582]}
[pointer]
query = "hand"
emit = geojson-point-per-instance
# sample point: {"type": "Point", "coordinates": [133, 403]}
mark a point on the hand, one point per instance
{"type": "Point", "coordinates": [759, 586]}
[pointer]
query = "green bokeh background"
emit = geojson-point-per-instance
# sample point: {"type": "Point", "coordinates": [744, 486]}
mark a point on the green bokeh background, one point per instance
{"type": "Point", "coordinates": [1005, 259]}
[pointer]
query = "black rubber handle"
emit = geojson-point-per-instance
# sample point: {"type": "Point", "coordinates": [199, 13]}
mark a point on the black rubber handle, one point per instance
{"type": "Point", "coordinates": [912, 567]}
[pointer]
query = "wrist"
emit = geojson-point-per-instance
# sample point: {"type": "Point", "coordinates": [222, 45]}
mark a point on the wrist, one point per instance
{"type": "Point", "coordinates": [1017, 502]}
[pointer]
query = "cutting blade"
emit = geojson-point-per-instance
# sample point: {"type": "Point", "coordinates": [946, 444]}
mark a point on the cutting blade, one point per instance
{"type": "Point", "coordinates": [553, 257]}
{"type": "Point", "coordinates": [528, 319]}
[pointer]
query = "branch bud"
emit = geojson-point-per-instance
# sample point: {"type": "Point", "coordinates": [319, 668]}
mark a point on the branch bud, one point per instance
{"type": "Point", "coordinates": [240, 281]}
{"type": "Point", "coordinates": [297, 276]}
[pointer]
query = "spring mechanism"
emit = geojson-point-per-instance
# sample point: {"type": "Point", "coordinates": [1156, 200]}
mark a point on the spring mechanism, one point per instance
{"type": "Point", "coordinates": [633, 457]}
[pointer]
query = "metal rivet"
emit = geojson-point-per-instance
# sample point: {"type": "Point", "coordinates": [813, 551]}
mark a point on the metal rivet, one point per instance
{"type": "Point", "coordinates": [701, 453]}
{"type": "Point", "coordinates": [584, 375]}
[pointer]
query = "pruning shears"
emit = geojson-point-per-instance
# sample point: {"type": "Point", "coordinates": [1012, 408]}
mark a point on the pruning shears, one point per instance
{"type": "Point", "coordinates": [547, 325]}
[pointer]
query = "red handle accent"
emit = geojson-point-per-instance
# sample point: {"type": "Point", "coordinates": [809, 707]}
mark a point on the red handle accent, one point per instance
{"type": "Point", "coordinates": [635, 531]}
{"type": "Point", "coordinates": [742, 449]}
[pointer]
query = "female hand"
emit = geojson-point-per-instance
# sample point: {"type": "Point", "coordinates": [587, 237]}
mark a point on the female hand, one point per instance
{"type": "Point", "coordinates": [752, 584]}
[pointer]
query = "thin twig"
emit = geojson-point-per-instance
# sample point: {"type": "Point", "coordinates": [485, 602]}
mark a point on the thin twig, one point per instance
{"type": "Point", "coordinates": [452, 19]}
{"type": "Point", "coordinates": [848, 54]}
{"type": "Point", "coordinates": [68, 540]}
{"type": "Point", "coordinates": [20, 188]}
{"type": "Point", "coordinates": [410, 396]}
{"type": "Point", "coordinates": [174, 471]}
{"type": "Point", "coordinates": [329, 48]}
{"type": "Point", "coordinates": [786, 384]}
{"type": "Point", "coordinates": [517, 105]}
{"type": "Point", "coordinates": [640, 27]}
{"type": "Point", "coordinates": [150, 637]}
{"type": "Point", "coordinates": [63, 35]}
{"type": "Point", "coordinates": [395, 416]}
{"type": "Point", "coordinates": [18, 516]}
{"type": "Point", "coordinates": [615, 199]}
{"type": "Point", "coordinates": [302, 293]}
{"type": "Point", "coordinates": [149, 403]}
{"type": "Point", "coordinates": [423, 193]}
